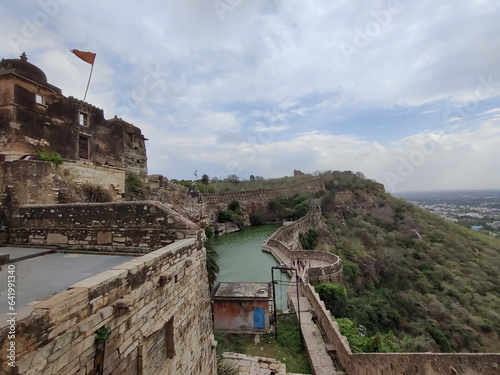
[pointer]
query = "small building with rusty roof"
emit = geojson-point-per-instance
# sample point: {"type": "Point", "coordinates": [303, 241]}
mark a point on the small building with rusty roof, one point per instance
{"type": "Point", "coordinates": [242, 306]}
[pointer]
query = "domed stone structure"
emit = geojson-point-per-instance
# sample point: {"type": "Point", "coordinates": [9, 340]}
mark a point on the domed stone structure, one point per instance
{"type": "Point", "coordinates": [36, 118]}
{"type": "Point", "coordinates": [23, 68]}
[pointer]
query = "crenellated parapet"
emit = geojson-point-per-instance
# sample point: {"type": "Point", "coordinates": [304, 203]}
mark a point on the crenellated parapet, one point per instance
{"type": "Point", "coordinates": [86, 107]}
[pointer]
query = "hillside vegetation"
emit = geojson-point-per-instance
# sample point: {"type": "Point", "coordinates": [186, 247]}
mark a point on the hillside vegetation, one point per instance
{"type": "Point", "coordinates": [411, 272]}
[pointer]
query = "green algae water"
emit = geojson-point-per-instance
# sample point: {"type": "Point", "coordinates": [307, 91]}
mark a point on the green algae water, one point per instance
{"type": "Point", "coordinates": [241, 259]}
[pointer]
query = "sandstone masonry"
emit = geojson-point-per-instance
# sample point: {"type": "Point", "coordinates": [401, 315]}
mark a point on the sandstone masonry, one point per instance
{"type": "Point", "coordinates": [156, 306]}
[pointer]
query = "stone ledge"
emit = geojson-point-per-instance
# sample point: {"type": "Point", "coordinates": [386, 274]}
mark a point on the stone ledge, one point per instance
{"type": "Point", "coordinates": [105, 277]}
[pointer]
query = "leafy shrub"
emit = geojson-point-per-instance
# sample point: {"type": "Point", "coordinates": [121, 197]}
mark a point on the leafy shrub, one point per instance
{"type": "Point", "coordinates": [334, 297]}
{"type": "Point", "coordinates": [257, 219]}
{"type": "Point", "coordinates": [101, 335]}
{"type": "Point", "coordinates": [275, 204]}
{"type": "Point", "coordinates": [209, 232]}
{"type": "Point", "coordinates": [309, 240]}
{"type": "Point", "coordinates": [440, 338]}
{"type": "Point", "coordinates": [223, 216]}
{"type": "Point", "coordinates": [134, 186]}
{"type": "Point", "coordinates": [351, 271]}
{"type": "Point", "coordinates": [52, 157]}
{"type": "Point", "coordinates": [234, 206]}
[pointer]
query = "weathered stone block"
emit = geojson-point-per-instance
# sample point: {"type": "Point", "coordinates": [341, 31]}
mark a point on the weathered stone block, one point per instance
{"type": "Point", "coordinates": [56, 239]}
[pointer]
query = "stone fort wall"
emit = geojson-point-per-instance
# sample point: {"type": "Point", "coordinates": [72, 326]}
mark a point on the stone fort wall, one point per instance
{"type": "Point", "coordinates": [398, 363]}
{"type": "Point", "coordinates": [156, 306]}
{"type": "Point", "coordinates": [286, 240]}
{"type": "Point", "coordinates": [312, 186]}
{"type": "Point", "coordinates": [121, 226]}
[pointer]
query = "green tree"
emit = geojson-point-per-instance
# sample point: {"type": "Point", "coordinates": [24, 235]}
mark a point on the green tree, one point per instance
{"type": "Point", "coordinates": [335, 299]}
{"type": "Point", "coordinates": [212, 259]}
{"type": "Point", "coordinates": [309, 240]}
{"type": "Point", "coordinates": [234, 206]}
{"type": "Point", "coordinates": [205, 180]}
{"type": "Point", "coordinates": [257, 219]}
{"type": "Point", "coordinates": [233, 178]}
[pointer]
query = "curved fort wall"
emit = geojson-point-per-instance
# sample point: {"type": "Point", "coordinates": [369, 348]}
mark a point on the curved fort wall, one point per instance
{"type": "Point", "coordinates": [286, 238]}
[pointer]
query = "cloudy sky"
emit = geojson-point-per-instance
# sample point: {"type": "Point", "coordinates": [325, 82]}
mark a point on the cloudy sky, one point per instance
{"type": "Point", "coordinates": [406, 92]}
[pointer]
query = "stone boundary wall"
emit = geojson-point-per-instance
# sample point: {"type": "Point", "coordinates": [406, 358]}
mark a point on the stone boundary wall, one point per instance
{"type": "Point", "coordinates": [158, 310]}
{"type": "Point", "coordinates": [120, 226]}
{"type": "Point", "coordinates": [285, 239]}
{"type": "Point", "coordinates": [398, 363]}
{"type": "Point", "coordinates": [288, 233]}
{"type": "Point", "coordinates": [312, 186]}
{"type": "Point", "coordinates": [331, 273]}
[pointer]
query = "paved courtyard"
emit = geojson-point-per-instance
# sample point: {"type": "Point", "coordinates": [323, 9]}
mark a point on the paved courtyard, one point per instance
{"type": "Point", "coordinates": [43, 276]}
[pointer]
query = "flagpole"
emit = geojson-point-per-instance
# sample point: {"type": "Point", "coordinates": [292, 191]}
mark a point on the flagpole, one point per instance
{"type": "Point", "coordinates": [88, 83]}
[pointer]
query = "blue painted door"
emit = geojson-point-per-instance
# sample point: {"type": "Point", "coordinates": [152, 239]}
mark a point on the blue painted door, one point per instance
{"type": "Point", "coordinates": [259, 320]}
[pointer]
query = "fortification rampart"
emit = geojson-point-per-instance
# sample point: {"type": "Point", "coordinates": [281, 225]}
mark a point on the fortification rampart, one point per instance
{"type": "Point", "coordinates": [312, 186]}
{"type": "Point", "coordinates": [285, 239]}
{"type": "Point", "coordinates": [398, 363]}
{"type": "Point", "coordinates": [121, 226]}
{"type": "Point", "coordinates": [157, 308]}
{"type": "Point", "coordinates": [369, 363]}
{"type": "Point", "coordinates": [288, 233]}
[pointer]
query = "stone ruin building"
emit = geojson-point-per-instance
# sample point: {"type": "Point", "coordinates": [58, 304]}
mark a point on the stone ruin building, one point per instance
{"type": "Point", "coordinates": [35, 116]}
{"type": "Point", "coordinates": [147, 314]}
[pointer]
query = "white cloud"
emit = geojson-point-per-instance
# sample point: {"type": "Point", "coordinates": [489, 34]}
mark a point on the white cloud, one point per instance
{"type": "Point", "coordinates": [269, 89]}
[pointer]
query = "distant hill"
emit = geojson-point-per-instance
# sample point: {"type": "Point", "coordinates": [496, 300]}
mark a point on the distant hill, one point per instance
{"type": "Point", "coordinates": [411, 272]}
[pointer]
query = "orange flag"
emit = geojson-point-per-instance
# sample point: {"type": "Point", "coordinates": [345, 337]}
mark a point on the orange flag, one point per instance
{"type": "Point", "coordinates": [85, 56]}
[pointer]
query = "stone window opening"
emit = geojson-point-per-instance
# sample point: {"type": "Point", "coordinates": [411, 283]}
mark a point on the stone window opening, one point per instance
{"type": "Point", "coordinates": [83, 119]}
{"type": "Point", "coordinates": [39, 99]}
{"type": "Point", "coordinates": [134, 140]}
